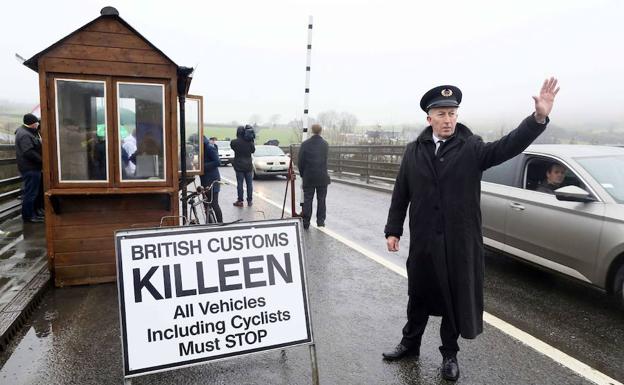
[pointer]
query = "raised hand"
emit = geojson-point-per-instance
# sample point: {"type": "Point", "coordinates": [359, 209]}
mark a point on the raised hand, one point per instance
{"type": "Point", "coordinates": [544, 102]}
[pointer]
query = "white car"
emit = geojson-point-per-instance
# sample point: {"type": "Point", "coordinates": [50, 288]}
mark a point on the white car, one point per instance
{"type": "Point", "coordinates": [270, 160]}
{"type": "Point", "coordinates": [226, 154]}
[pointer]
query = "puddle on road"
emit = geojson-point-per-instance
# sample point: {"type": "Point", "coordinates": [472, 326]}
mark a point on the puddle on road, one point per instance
{"type": "Point", "coordinates": [30, 356]}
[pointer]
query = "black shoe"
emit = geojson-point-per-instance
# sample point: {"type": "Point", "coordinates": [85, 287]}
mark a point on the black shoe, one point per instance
{"type": "Point", "coordinates": [306, 226]}
{"type": "Point", "coordinates": [322, 224]}
{"type": "Point", "coordinates": [400, 352]}
{"type": "Point", "coordinates": [450, 369]}
{"type": "Point", "coordinates": [249, 203]}
{"type": "Point", "coordinates": [41, 213]}
{"type": "Point", "coordinates": [34, 220]}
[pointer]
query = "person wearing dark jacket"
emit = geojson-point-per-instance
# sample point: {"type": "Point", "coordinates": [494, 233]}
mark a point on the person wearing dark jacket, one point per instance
{"type": "Point", "coordinates": [312, 165]}
{"type": "Point", "coordinates": [211, 174]}
{"type": "Point", "coordinates": [243, 165]}
{"type": "Point", "coordinates": [439, 179]}
{"type": "Point", "coordinates": [29, 164]}
{"type": "Point", "coordinates": [554, 179]}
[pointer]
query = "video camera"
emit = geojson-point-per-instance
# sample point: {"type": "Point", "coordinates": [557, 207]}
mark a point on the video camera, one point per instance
{"type": "Point", "coordinates": [249, 134]}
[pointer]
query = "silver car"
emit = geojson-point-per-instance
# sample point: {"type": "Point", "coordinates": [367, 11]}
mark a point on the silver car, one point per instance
{"type": "Point", "coordinates": [578, 229]}
{"type": "Point", "coordinates": [226, 154]}
{"type": "Point", "coordinates": [270, 160]}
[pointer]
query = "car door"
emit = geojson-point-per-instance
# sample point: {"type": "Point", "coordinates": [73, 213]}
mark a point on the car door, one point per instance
{"type": "Point", "coordinates": [495, 185]}
{"type": "Point", "coordinates": [556, 234]}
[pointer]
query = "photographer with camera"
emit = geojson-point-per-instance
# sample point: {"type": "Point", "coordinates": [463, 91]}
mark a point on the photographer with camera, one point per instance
{"type": "Point", "coordinates": [243, 147]}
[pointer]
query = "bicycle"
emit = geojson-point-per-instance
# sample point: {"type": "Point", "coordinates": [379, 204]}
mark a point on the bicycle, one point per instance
{"type": "Point", "coordinates": [200, 197]}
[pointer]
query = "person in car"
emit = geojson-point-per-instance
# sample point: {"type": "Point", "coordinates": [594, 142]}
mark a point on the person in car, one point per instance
{"type": "Point", "coordinates": [554, 178]}
{"type": "Point", "coordinates": [440, 180]}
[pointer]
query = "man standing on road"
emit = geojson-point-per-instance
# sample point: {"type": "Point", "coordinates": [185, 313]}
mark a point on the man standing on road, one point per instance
{"type": "Point", "coordinates": [439, 179]}
{"type": "Point", "coordinates": [243, 147]}
{"type": "Point", "coordinates": [312, 164]}
{"type": "Point", "coordinates": [29, 164]}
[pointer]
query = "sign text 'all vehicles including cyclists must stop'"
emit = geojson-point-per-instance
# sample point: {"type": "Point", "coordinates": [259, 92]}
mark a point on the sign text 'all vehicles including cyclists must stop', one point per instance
{"type": "Point", "coordinates": [194, 294]}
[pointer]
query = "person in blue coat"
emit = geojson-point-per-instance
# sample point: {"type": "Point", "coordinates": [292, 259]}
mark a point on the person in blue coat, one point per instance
{"type": "Point", "coordinates": [211, 173]}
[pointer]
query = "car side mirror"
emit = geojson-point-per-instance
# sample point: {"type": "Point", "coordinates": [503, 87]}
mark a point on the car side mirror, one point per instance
{"type": "Point", "coordinates": [573, 194]}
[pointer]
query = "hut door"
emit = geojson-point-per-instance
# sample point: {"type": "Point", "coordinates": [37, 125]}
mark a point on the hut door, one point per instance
{"type": "Point", "coordinates": [194, 128]}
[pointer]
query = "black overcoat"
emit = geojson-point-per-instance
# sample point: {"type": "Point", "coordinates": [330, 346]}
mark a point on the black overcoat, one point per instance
{"type": "Point", "coordinates": [443, 192]}
{"type": "Point", "coordinates": [312, 162]}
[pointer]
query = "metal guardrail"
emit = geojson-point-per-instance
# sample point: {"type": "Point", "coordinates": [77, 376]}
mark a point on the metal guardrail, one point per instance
{"type": "Point", "coordinates": [368, 162]}
{"type": "Point", "coordinates": [8, 199]}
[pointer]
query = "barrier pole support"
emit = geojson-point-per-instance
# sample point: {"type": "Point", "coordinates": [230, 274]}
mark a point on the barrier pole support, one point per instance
{"type": "Point", "coordinates": [315, 372]}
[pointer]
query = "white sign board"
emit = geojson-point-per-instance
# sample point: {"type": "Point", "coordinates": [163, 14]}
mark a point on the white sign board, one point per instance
{"type": "Point", "coordinates": [193, 294]}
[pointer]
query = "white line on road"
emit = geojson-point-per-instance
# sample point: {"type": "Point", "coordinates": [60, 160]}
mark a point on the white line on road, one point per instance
{"type": "Point", "coordinates": [540, 346]}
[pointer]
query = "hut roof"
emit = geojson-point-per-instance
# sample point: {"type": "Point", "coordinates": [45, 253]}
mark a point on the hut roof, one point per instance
{"type": "Point", "coordinates": [109, 13]}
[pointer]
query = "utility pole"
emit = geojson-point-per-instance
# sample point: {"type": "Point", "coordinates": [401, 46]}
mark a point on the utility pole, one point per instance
{"type": "Point", "coordinates": [306, 96]}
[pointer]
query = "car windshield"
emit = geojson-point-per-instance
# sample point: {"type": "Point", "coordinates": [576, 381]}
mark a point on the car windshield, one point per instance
{"type": "Point", "coordinates": [223, 144]}
{"type": "Point", "coordinates": [609, 172]}
{"type": "Point", "coordinates": [268, 151]}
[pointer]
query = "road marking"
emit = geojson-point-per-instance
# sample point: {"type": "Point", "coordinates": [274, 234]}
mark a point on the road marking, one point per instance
{"type": "Point", "coordinates": [525, 338]}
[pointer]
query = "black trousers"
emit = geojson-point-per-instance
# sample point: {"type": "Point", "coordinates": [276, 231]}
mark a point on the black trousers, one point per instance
{"type": "Point", "coordinates": [215, 205]}
{"type": "Point", "coordinates": [321, 209]}
{"type": "Point", "coordinates": [413, 330]}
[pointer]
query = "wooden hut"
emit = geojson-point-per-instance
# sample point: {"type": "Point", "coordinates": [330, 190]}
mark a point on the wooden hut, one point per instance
{"type": "Point", "coordinates": [109, 119]}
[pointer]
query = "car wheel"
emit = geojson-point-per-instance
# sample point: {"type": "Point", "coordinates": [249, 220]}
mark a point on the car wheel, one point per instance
{"type": "Point", "coordinates": [618, 285]}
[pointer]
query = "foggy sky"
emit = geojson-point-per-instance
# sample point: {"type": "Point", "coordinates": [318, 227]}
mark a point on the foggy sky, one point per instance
{"type": "Point", "coordinates": [374, 59]}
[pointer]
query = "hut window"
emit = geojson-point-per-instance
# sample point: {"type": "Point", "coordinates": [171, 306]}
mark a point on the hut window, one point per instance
{"type": "Point", "coordinates": [193, 135]}
{"type": "Point", "coordinates": [81, 130]}
{"type": "Point", "coordinates": [141, 112]}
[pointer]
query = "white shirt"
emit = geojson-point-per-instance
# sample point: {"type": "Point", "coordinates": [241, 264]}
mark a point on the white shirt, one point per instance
{"type": "Point", "coordinates": [438, 142]}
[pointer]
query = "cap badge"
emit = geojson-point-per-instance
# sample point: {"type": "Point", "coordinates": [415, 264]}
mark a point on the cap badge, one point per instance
{"type": "Point", "coordinates": [446, 92]}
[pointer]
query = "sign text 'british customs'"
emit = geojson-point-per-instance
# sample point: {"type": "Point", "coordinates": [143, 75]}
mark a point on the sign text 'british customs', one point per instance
{"type": "Point", "coordinates": [194, 294]}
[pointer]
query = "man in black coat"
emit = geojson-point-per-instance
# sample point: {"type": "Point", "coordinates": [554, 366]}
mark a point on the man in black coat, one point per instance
{"type": "Point", "coordinates": [312, 164]}
{"type": "Point", "coordinates": [440, 180]}
{"type": "Point", "coordinates": [243, 164]}
{"type": "Point", "coordinates": [29, 164]}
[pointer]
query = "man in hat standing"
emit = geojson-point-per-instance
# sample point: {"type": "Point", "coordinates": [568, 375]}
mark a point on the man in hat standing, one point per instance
{"type": "Point", "coordinates": [29, 164]}
{"type": "Point", "coordinates": [439, 179]}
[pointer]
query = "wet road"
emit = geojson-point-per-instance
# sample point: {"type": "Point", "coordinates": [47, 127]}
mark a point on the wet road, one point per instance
{"type": "Point", "coordinates": [577, 319]}
{"type": "Point", "coordinates": [22, 255]}
{"type": "Point", "coordinates": [357, 309]}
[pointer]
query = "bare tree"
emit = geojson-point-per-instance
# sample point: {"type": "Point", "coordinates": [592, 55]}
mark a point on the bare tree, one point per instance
{"type": "Point", "coordinates": [347, 122]}
{"type": "Point", "coordinates": [296, 130]}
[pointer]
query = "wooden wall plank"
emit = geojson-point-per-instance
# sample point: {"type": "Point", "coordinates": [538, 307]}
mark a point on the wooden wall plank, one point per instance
{"type": "Point", "coordinates": [109, 54]}
{"type": "Point", "coordinates": [95, 67]}
{"type": "Point", "coordinates": [84, 258]}
{"type": "Point", "coordinates": [83, 244]}
{"type": "Point", "coordinates": [109, 25]}
{"type": "Point", "coordinates": [95, 204]}
{"type": "Point", "coordinates": [108, 216]}
{"type": "Point", "coordinates": [102, 39]}
{"type": "Point", "coordinates": [98, 231]}
{"type": "Point", "coordinates": [85, 274]}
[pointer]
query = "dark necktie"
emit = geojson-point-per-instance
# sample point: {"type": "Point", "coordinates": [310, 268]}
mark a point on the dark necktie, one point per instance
{"type": "Point", "coordinates": [437, 146]}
